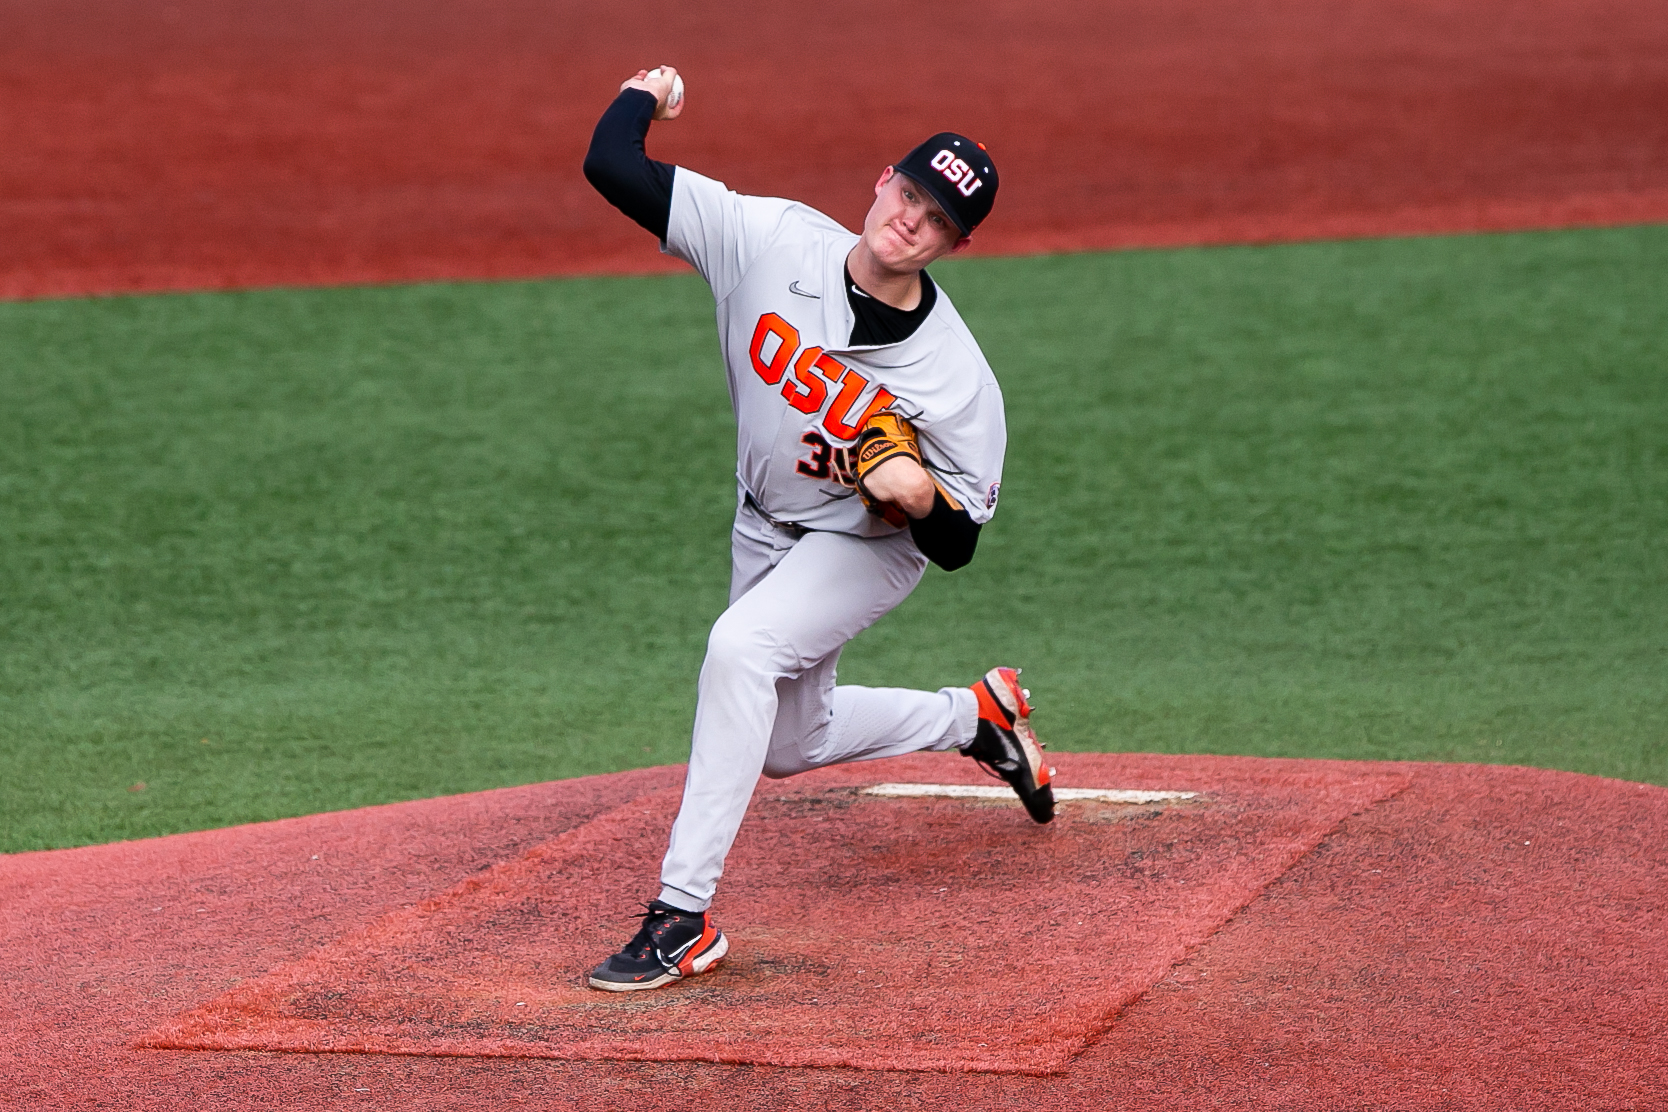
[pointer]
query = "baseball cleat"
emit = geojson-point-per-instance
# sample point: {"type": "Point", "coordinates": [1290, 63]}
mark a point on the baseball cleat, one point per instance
{"type": "Point", "coordinates": [669, 946]}
{"type": "Point", "coordinates": [1006, 745]}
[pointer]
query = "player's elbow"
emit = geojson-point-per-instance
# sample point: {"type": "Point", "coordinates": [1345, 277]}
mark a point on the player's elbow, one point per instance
{"type": "Point", "coordinates": [946, 536]}
{"type": "Point", "coordinates": [611, 165]}
{"type": "Point", "coordinates": [600, 171]}
{"type": "Point", "coordinates": [950, 553]}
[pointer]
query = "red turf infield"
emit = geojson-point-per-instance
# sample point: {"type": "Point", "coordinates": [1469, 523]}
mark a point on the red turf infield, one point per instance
{"type": "Point", "coordinates": [1485, 938]}
{"type": "Point", "coordinates": [159, 144]}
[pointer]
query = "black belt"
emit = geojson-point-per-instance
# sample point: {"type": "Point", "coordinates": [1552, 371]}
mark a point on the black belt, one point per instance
{"type": "Point", "coordinates": [785, 526]}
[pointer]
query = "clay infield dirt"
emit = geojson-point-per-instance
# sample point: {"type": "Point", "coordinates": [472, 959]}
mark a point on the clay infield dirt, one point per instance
{"type": "Point", "coordinates": [165, 144]}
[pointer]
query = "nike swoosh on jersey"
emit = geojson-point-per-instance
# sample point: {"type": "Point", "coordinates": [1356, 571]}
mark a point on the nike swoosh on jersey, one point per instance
{"type": "Point", "coordinates": [793, 287]}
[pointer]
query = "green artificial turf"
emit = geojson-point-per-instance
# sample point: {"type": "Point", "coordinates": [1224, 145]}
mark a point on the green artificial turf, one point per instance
{"type": "Point", "coordinates": [282, 552]}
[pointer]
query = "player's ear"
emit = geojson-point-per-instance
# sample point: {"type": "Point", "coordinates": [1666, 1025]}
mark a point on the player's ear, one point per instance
{"type": "Point", "coordinates": [885, 176]}
{"type": "Point", "coordinates": [961, 244]}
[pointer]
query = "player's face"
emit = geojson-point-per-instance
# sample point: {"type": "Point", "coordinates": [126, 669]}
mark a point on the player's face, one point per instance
{"type": "Point", "coordinates": [905, 229]}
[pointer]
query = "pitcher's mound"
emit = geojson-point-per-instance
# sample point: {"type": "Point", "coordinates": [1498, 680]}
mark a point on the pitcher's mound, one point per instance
{"type": "Point", "coordinates": [876, 931]}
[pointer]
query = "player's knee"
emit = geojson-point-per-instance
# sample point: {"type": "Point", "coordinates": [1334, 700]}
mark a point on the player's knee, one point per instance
{"type": "Point", "coordinates": [738, 644]}
{"type": "Point", "coordinates": [793, 751]}
{"type": "Point", "coordinates": [782, 766]}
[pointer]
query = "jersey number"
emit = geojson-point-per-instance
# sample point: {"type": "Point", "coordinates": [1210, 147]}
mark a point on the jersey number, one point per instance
{"type": "Point", "coordinates": [826, 460]}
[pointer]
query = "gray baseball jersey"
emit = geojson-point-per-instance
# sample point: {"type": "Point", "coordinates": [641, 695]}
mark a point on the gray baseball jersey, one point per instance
{"type": "Point", "coordinates": [801, 392]}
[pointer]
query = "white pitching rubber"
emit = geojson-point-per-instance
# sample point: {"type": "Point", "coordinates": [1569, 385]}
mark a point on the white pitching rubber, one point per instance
{"type": "Point", "coordinates": [982, 791]}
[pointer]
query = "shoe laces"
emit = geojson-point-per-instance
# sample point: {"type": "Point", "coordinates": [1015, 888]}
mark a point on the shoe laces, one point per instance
{"type": "Point", "coordinates": [655, 921]}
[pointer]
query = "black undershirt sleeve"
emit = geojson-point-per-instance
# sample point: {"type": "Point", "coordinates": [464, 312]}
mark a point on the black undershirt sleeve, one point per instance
{"type": "Point", "coordinates": [621, 170]}
{"type": "Point", "coordinates": [946, 536]}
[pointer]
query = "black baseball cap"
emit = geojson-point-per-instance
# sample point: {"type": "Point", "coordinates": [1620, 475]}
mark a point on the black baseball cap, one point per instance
{"type": "Point", "coordinates": [958, 173]}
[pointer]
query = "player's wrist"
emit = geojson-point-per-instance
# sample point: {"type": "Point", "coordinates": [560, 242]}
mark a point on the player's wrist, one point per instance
{"type": "Point", "coordinates": [647, 105]}
{"type": "Point", "coordinates": [917, 504]}
{"type": "Point", "coordinates": [902, 482]}
{"type": "Point", "coordinates": [664, 84]}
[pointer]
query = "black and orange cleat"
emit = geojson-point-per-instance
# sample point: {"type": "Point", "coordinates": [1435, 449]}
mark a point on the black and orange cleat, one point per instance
{"type": "Point", "coordinates": [669, 946]}
{"type": "Point", "coordinates": [1006, 745]}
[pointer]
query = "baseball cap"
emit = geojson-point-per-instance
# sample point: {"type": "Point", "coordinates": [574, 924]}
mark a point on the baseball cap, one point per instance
{"type": "Point", "coordinates": [959, 175]}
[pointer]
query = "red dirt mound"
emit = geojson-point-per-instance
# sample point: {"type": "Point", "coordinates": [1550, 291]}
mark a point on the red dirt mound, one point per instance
{"type": "Point", "coordinates": [170, 144]}
{"type": "Point", "coordinates": [866, 932]}
{"type": "Point", "coordinates": [1487, 938]}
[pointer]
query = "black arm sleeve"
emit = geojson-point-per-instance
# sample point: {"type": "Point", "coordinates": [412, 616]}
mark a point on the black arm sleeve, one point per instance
{"type": "Point", "coordinates": [945, 536]}
{"type": "Point", "coordinates": [622, 171]}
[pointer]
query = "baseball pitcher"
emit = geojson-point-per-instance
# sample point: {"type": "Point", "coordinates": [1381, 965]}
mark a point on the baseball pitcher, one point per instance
{"type": "Point", "coordinates": [869, 441]}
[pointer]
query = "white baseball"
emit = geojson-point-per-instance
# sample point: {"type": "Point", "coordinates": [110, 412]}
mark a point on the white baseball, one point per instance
{"type": "Point", "coordinates": [675, 97]}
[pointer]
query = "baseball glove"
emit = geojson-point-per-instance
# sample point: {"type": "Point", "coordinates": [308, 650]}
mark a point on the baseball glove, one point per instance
{"type": "Point", "coordinates": [885, 436]}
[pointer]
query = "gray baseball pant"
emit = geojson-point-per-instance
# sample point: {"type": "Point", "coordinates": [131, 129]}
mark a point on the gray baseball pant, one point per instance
{"type": "Point", "coordinates": [767, 699]}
